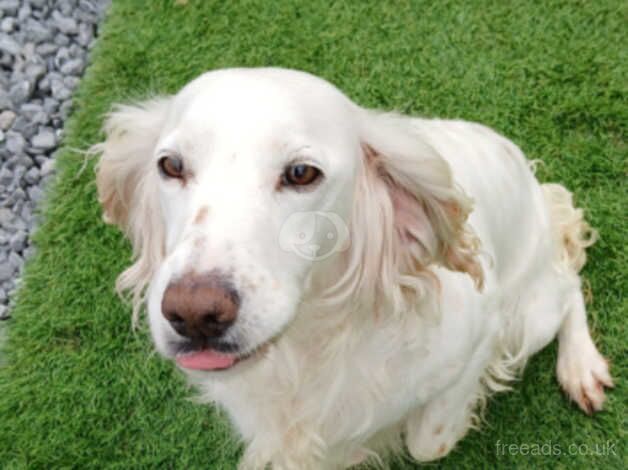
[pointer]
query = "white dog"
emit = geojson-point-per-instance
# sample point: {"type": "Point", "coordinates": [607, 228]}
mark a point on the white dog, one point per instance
{"type": "Point", "coordinates": [340, 280]}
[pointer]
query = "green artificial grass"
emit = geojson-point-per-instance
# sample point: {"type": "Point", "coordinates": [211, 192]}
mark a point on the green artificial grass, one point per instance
{"type": "Point", "coordinates": [79, 389]}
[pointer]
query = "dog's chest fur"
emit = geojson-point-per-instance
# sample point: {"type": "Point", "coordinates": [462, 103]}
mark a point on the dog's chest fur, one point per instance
{"type": "Point", "coordinates": [344, 381]}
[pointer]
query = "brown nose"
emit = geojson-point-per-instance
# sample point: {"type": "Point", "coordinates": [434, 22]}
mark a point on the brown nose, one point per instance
{"type": "Point", "coordinates": [200, 306]}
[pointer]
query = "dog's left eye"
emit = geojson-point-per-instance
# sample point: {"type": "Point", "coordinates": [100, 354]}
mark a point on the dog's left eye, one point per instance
{"type": "Point", "coordinates": [171, 166]}
{"type": "Point", "coordinates": [300, 174]}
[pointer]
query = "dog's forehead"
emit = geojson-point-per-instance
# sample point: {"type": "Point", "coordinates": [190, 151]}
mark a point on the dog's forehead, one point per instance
{"type": "Point", "coordinates": [260, 103]}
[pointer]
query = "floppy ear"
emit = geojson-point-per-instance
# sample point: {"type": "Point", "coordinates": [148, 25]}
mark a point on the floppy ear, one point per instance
{"type": "Point", "coordinates": [126, 187]}
{"type": "Point", "coordinates": [408, 215]}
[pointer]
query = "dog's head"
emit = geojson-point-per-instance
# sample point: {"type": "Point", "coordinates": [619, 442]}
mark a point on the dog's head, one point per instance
{"type": "Point", "coordinates": [254, 189]}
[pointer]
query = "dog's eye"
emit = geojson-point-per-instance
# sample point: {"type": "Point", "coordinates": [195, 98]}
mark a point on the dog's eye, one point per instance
{"type": "Point", "coordinates": [171, 166]}
{"type": "Point", "coordinates": [300, 175]}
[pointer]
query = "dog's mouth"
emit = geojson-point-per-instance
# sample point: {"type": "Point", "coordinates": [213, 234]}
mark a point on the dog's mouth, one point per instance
{"type": "Point", "coordinates": [206, 359]}
{"type": "Point", "coordinates": [219, 356]}
{"type": "Point", "coordinates": [205, 354]}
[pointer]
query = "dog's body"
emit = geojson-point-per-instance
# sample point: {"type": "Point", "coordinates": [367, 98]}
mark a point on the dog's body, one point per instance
{"type": "Point", "coordinates": [404, 332]}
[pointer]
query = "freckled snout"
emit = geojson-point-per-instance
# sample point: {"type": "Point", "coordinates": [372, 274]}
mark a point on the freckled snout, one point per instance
{"type": "Point", "coordinates": [201, 306]}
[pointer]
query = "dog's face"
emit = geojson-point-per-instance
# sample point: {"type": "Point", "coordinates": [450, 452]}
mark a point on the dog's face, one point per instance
{"type": "Point", "coordinates": [254, 178]}
{"type": "Point", "coordinates": [239, 188]}
{"type": "Point", "coordinates": [245, 167]}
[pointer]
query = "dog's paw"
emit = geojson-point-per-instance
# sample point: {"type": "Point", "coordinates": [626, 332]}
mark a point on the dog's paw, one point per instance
{"type": "Point", "coordinates": [429, 451]}
{"type": "Point", "coordinates": [433, 433]}
{"type": "Point", "coordinates": [583, 373]}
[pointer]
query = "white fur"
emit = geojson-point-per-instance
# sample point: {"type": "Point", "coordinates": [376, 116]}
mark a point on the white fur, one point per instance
{"type": "Point", "coordinates": [459, 265]}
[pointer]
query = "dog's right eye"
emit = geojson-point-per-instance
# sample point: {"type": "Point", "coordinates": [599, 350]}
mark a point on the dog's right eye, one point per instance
{"type": "Point", "coordinates": [300, 174]}
{"type": "Point", "coordinates": [171, 166]}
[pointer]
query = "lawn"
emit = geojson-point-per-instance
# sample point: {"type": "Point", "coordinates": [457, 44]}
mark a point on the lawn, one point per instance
{"type": "Point", "coordinates": [80, 389]}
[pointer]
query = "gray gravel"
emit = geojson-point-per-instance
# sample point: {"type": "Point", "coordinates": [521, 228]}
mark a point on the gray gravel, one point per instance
{"type": "Point", "coordinates": [44, 45]}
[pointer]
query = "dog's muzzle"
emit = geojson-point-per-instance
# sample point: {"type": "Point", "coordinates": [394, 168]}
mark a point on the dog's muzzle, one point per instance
{"type": "Point", "coordinates": [201, 308]}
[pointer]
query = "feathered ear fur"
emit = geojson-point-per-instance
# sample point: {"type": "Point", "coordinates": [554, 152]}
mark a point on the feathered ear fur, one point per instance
{"type": "Point", "coordinates": [126, 187]}
{"type": "Point", "coordinates": [408, 215]}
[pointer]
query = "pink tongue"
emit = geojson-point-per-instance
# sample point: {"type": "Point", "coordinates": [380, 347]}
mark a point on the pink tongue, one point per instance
{"type": "Point", "coordinates": [206, 360]}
